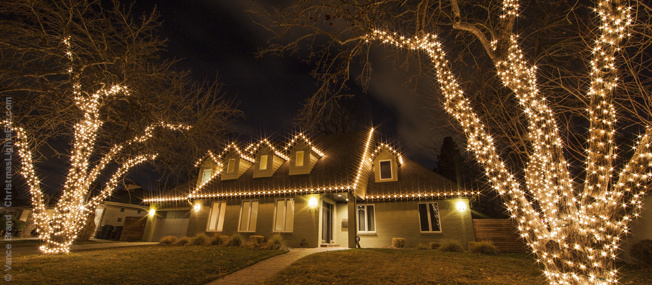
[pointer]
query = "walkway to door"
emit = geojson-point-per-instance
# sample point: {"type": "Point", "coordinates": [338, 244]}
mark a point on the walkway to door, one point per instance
{"type": "Point", "coordinates": [263, 270]}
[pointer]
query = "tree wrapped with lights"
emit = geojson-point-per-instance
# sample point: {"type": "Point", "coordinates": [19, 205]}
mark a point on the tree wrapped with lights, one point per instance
{"type": "Point", "coordinates": [574, 231]}
{"type": "Point", "coordinates": [86, 73]}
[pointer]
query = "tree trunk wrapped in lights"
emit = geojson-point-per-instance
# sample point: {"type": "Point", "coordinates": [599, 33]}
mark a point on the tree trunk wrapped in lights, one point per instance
{"type": "Point", "coordinates": [574, 232]}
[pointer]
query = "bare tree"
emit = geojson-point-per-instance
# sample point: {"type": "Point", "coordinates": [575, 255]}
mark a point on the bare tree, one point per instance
{"type": "Point", "coordinates": [83, 79]}
{"type": "Point", "coordinates": [574, 228]}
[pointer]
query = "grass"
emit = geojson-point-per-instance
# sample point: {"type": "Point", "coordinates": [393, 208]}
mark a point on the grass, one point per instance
{"type": "Point", "coordinates": [36, 242]}
{"type": "Point", "coordinates": [136, 265]}
{"type": "Point", "coordinates": [411, 266]}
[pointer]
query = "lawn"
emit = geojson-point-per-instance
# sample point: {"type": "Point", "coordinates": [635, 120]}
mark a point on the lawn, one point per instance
{"type": "Point", "coordinates": [409, 266]}
{"type": "Point", "coordinates": [136, 265]}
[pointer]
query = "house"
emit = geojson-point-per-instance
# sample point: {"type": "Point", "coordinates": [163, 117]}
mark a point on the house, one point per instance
{"type": "Point", "coordinates": [122, 216]}
{"type": "Point", "coordinates": [322, 191]}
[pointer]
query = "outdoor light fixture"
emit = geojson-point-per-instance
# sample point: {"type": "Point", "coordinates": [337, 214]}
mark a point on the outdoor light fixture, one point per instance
{"type": "Point", "coordinates": [312, 202]}
{"type": "Point", "coordinates": [152, 212]}
{"type": "Point", "coordinates": [197, 207]}
{"type": "Point", "coordinates": [461, 206]}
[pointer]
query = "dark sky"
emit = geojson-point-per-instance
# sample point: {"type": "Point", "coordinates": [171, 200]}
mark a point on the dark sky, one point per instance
{"type": "Point", "coordinates": [219, 38]}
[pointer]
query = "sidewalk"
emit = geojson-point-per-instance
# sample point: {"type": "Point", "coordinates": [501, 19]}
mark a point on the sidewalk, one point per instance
{"type": "Point", "coordinates": [263, 270]}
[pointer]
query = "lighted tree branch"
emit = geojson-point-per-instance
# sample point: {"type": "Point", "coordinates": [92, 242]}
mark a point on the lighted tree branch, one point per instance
{"type": "Point", "coordinates": [575, 236]}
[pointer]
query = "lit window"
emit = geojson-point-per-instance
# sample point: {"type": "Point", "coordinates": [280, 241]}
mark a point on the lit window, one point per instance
{"type": "Point", "coordinates": [284, 215]}
{"type": "Point", "coordinates": [248, 216]}
{"type": "Point", "coordinates": [299, 159]}
{"type": "Point", "coordinates": [386, 169]}
{"type": "Point", "coordinates": [231, 166]}
{"type": "Point", "coordinates": [263, 162]}
{"type": "Point", "coordinates": [216, 217]}
{"type": "Point", "coordinates": [366, 219]}
{"type": "Point", "coordinates": [429, 217]}
{"type": "Point", "coordinates": [206, 175]}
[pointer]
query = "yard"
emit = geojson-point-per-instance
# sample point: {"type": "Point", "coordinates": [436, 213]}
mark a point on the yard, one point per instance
{"type": "Point", "coordinates": [409, 266]}
{"type": "Point", "coordinates": [136, 265]}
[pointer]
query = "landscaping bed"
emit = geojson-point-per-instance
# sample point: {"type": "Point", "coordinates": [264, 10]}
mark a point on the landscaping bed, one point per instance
{"type": "Point", "coordinates": [136, 265]}
{"type": "Point", "coordinates": [410, 266]}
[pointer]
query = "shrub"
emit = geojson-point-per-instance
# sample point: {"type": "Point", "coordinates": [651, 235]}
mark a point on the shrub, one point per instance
{"type": "Point", "coordinates": [483, 247]}
{"type": "Point", "coordinates": [183, 241]}
{"type": "Point", "coordinates": [199, 239]}
{"type": "Point", "coordinates": [276, 242]}
{"type": "Point", "coordinates": [168, 240]}
{"type": "Point", "coordinates": [422, 246]}
{"type": "Point", "coordinates": [451, 245]}
{"type": "Point", "coordinates": [218, 240]}
{"type": "Point", "coordinates": [642, 252]}
{"type": "Point", "coordinates": [398, 242]}
{"type": "Point", "coordinates": [235, 240]}
{"type": "Point", "coordinates": [435, 245]}
{"type": "Point", "coordinates": [256, 240]}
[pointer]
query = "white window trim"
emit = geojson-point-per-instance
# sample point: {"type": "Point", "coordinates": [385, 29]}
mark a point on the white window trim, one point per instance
{"type": "Point", "coordinates": [296, 159]}
{"type": "Point", "coordinates": [228, 166]}
{"type": "Point", "coordinates": [366, 217]}
{"type": "Point", "coordinates": [262, 166]}
{"type": "Point", "coordinates": [203, 175]}
{"type": "Point", "coordinates": [429, 218]}
{"type": "Point", "coordinates": [249, 229]}
{"type": "Point", "coordinates": [285, 217]}
{"type": "Point", "coordinates": [391, 170]}
{"type": "Point", "coordinates": [220, 217]}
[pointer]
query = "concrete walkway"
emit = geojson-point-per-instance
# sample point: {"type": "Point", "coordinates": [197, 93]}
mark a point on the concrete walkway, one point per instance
{"type": "Point", "coordinates": [263, 270]}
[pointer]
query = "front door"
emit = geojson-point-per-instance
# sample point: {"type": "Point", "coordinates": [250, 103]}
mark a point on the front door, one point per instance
{"type": "Point", "coordinates": [327, 222]}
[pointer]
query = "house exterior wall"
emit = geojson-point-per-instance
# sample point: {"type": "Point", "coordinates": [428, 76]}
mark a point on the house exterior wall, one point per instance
{"type": "Point", "coordinates": [401, 219]}
{"type": "Point", "coordinates": [640, 229]}
{"type": "Point", "coordinates": [112, 214]}
{"type": "Point", "coordinates": [305, 227]}
{"type": "Point", "coordinates": [340, 225]}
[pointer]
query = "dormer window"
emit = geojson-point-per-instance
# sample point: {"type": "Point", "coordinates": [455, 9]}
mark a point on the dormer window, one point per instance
{"type": "Point", "coordinates": [263, 162]}
{"type": "Point", "coordinates": [231, 166]}
{"type": "Point", "coordinates": [206, 175]}
{"type": "Point", "coordinates": [298, 159]}
{"type": "Point", "coordinates": [385, 169]}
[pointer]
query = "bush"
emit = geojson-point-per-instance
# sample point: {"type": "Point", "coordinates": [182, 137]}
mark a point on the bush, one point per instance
{"type": "Point", "coordinates": [199, 239]}
{"type": "Point", "coordinates": [276, 242]}
{"type": "Point", "coordinates": [168, 240]}
{"type": "Point", "coordinates": [218, 240]}
{"type": "Point", "coordinates": [398, 242]}
{"type": "Point", "coordinates": [256, 240]}
{"type": "Point", "coordinates": [642, 252]}
{"type": "Point", "coordinates": [183, 241]}
{"type": "Point", "coordinates": [451, 245]}
{"type": "Point", "coordinates": [435, 245]}
{"type": "Point", "coordinates": [422, 246]}
{"type": "Point", "coordinates": [235, 240]}
{"type": "Point", "coordinates": [483, 247]}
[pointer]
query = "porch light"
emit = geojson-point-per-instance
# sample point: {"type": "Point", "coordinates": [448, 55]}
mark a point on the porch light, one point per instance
{"type": "Point", "coordinates": [461, 206]}
{"type": "Point", "coordinates": [312, 203]}
{"type": "Point", "coordinates": [197, 207]}
{"type": "Point", "coordinates": [152, 212]}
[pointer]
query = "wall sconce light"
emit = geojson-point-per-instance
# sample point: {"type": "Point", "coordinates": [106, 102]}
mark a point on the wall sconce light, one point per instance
{"type": "Point", "coordinates": [152, 212]}
{"type": "Point", "coordinates": [312, 203]}
{"type": "Point", "coordinates": [197, 207]}
{"type": "Point", "coordinates": [461, 206]}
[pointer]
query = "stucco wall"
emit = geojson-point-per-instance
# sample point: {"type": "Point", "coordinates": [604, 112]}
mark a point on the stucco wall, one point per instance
{"type": "Point", "coordinates": [401, 219]}
{"type": "Point", "coordinates": [640, 229]}
{"type": "Point", "coordinates": [305, 226]}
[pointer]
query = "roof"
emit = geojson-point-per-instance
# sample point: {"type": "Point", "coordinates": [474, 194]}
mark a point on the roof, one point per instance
{"type": "Point", "coordinates": [344, 166]}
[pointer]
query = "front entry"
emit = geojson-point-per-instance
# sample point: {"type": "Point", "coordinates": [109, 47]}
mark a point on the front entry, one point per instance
{"type": "Point", "coordinates": [327, 222]}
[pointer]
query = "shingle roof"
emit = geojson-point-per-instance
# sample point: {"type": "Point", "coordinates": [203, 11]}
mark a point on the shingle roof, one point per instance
{"type": "Point", "coordinates": [412, 179]}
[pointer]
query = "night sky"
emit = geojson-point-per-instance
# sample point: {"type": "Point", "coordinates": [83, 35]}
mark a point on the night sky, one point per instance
{"type": "Point", "coordinates": [218, 38]}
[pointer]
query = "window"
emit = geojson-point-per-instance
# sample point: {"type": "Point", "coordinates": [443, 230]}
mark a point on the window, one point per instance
{"type": "Point", "coordinates": [122, 209]}
{"type": "Point", "coordinates": [119, 220]}
{"type": "Point", "coordinates": [366, 219]}
{"type": "Point", "coordinates": [231, 167]}
{"type": "Point", "coordinates": [206, 175]}
{"type": "Point", "coordinates": [386, 169]}
{"type": "Point", "coordinates": [248, 216]}
{"type": "Point", "coordinates": [263, 162]}
{"type": "Point", "coordinates": [299, 158]}
{"type": "Point", "coordinates": [139, 211]}
{"type": "Point", "coordinates": [284, 215]}
{"type": "Point", "coordinates": [216, 217]}
{"type": "Point", "coordinates": [429, 217]}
